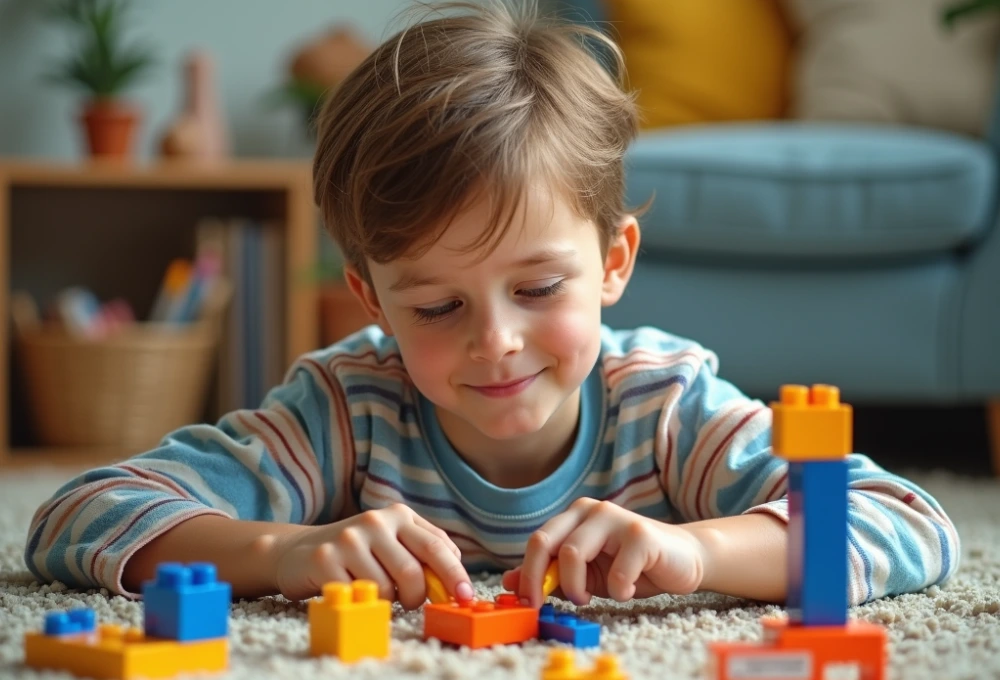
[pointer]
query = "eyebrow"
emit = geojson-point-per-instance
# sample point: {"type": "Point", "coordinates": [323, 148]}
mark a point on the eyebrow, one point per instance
{"type": "Point", "coordinates": [408, 281]}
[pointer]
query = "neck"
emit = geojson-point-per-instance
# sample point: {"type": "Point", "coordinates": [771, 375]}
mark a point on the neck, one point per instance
{"type": "Point", "coordinates": [519, 462]}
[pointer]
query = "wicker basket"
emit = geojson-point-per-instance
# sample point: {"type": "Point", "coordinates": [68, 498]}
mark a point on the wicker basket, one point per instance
{"type": "Point", "coordinates": [126, 391]}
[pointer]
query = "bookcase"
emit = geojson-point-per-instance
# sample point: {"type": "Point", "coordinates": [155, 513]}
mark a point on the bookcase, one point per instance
{"type": "Point", "coordinates": [113, 227]}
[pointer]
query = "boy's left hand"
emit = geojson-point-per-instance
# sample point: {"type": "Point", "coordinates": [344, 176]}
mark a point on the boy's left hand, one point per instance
{"type": "Point", "coordinates": [608, 551]}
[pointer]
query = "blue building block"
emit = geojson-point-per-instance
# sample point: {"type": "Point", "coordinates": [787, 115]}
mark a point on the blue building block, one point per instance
{"type": "Point", "coordinates": [186, 603]}
{"type": "Point", "coordinates": [817, 543]}
{"type": "Point", "coordinates": [567, 628]}
{"type": "Point", "coordinates": [73, 622]}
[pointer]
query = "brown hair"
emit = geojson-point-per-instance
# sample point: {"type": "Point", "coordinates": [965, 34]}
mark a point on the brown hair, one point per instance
{"type": "Point", "coordinates": [480, 97]}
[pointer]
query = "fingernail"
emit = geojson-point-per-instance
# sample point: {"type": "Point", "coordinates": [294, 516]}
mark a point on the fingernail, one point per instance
{"type": "Point", "coordinates": [525, 602]}
{"type": "Point", "coordinates": [464, 591]}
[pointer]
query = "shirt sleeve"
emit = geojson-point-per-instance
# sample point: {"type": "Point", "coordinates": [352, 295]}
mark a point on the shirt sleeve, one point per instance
{"type": "Point", "coordinates": [275, 463]}
{"type": "Point", "coordinates": [715, 460]}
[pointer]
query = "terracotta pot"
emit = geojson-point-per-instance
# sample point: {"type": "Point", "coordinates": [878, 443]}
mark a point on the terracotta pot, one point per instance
{"type": "Point", "coordinates": [340, 313]}
{"type": "Point", "coordinates": [110, 128]}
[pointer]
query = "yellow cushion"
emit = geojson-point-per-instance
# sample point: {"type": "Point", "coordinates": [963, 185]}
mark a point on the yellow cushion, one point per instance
{"type": "Point", "coordinates": [695, 61]}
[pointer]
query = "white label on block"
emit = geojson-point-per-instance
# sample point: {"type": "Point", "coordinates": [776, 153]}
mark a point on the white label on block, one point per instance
{"type": "Point", "coordinates": [776, 666]}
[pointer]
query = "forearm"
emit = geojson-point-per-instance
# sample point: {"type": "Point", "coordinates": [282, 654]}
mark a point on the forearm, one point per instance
{"type": "Point", "coordinates": [241, 551]}
{"type": "Point", "coordinates": [744, 556]}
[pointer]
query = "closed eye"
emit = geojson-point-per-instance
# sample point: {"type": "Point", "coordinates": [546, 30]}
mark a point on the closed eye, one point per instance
{"type": "Point", "coordinates": [432, 314]}
{"type": "Point", "coordinates": [542, 292]}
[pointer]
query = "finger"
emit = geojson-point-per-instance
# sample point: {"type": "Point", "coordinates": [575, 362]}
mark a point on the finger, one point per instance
{"type": "Point", "coordinates": [439, 532]}
{"type": "Point", "coordinates": [403, 569]}
{"type": "Point", "coordinates": [543, 546]}
{"type": "Point", "coordinates": [632, 560]}
{"type": "Point", "coordinates": [511, 579]}
{"type": "Point", "coordinates": [578, 550]}
{"type": "Point", "coordinates": [323, 568]}
{"type": "Point", "coordinates": [430, 549]}
{"type": "Point", "coordinates": [362, 564]}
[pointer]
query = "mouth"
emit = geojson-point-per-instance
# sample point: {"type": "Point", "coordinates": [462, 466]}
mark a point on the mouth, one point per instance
{"type": "Point", "coordinates": [505, 389]}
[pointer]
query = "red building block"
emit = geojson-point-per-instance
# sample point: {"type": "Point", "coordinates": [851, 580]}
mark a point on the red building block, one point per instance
{"type": "Point", "coordinates": [479, 624]}
{"type": "Point", "coordinates": [791, 652]}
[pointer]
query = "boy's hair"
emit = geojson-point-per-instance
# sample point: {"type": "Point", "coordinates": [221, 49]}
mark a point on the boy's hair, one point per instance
{"type": "Point", "coordinates": [478, 98]}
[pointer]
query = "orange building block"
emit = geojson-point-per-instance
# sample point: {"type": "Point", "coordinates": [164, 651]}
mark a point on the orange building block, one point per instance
{"type": "Point", "coordinates": [562, 666]}
{"type": "Point", "coordinates": [350, 622]}
{"type": "Point", "coordinates": [811, 424]}
{"type": "Point", "coordinates": [481, 624]}
{"type": "Point", "coordinates": [790, 652]}
{"type": "Point", "coordinates": [116, 654]}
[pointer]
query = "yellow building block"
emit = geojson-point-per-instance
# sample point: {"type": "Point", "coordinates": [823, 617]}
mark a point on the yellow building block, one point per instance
{"type": "Point", "coordinates": [350, 622]}
{"type": "Point", "coordinates": [116, 654]}
{"type": "Point", "coordinates": [811, 424]}
{"type": "Point", "coordinates": [436, 592]}
{"type": "Point", "coordinates": [562, 666]}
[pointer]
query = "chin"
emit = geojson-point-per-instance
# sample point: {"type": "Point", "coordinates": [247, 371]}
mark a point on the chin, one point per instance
{"type": "Point", "coordinates": [512, 427]}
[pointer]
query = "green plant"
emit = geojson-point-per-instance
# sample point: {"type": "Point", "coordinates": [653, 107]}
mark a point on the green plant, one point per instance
{"type": "Point", "coordinates": [968, 8]}
{"type": "Point", "coordinates": [102, 64]}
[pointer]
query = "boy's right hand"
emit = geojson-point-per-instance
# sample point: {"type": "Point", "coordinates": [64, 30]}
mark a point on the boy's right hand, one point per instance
{"type": "Point", "coordinates": [389, 546]}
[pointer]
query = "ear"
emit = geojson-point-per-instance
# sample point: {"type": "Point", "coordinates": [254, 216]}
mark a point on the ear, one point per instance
{"type": "Point", "coordinates": [620, 261]}
{"type": "Point", "coordinates": [365, 294]}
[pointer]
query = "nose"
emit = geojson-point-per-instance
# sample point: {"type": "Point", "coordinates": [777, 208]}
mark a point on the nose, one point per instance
{"type": "Point", "coordinates": [494, 338]}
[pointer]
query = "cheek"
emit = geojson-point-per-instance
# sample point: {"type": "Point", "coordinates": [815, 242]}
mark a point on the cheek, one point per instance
{"type": "Point", "coordinates": [427, 356]}
{"type": "Point", "coordinates": [572, 333]}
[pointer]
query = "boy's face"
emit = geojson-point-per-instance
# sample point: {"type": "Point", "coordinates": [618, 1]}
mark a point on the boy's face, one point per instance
{"type": "Point", "coordinates": [501, 344]}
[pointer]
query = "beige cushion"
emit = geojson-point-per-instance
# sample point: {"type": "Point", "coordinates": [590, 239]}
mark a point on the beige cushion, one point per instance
{"type": "Point", "coordinates": [893, 61]}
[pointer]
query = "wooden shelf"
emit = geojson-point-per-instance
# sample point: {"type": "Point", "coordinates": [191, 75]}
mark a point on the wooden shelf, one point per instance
{"type": "Point", "coordinates": [73, 210]}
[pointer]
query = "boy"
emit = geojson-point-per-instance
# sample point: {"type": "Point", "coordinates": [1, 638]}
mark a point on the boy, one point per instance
{"type": "Point", "coordinates": [471, 171]}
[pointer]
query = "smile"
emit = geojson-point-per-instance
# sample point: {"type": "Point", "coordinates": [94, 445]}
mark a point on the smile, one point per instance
{"type": "Point", "coordinates": [507, 389]}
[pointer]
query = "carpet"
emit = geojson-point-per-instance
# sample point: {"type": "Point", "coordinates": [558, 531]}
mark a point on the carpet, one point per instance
{"type": "Point", "coordinates": [947, 632]}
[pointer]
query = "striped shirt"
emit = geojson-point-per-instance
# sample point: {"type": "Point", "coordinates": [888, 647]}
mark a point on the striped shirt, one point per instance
{"type": "Point", "coordinates": [659, 434]}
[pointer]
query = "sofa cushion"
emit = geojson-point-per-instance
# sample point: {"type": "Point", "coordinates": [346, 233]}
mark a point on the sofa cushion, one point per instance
{"type": "Point", "coordinates": [894, 61]}
{"type": "Point", "coordinates": [693, 62]}
{"type": "Point", "coordinates": [788, 189]}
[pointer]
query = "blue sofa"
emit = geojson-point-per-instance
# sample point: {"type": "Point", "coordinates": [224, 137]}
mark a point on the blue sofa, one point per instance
{"type": "Point", "coordinates": [866, 256]}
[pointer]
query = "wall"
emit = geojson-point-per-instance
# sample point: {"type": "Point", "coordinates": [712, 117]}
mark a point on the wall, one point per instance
{"type": "Point", "coordinates": [251, 41]}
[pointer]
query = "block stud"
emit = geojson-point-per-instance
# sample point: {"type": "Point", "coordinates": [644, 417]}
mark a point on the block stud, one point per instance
{"type": "Point", "coordinates": [336, 594]}
{"type": "Point", "coordinates": [203, 573]}
{"type": "Point", "coordinates": [560, 665]}
{"type": "Point", "coordinates": [794, 395]}
{"type": "Point", "coordinates": [825, 395]}
{"type": "Point", "coordinates": [365, 591]}
{"type": "Point", "coordinates": [172, 575]}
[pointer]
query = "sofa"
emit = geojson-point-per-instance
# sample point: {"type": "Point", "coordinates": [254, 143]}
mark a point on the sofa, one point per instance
{"type": "Point", "coordinates": [864, 255]}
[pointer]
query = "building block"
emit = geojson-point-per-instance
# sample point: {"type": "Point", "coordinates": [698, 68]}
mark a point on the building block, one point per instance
{"type": "Point", "coordinates": [436, 591]}
{"type": "Point", "coordinates": [817, 543]}
{"type": "Point", "coordinates": [810, 424]}
{"type": "Point", "coordinates": [186, 603]}
{"type": "Point", "coordinates": [793, 652]}
{"type": "Point", "coordinates": [350, 622]}
{"type": "Point", "coordinates": [73, 622]}
{"type": "Point", "coordinates": [551, 579]}
{"type": "Point", "coordinates": [479, 623]}
{"type": "Point", "coordinates": [569, 628]}
{"type": "Point", "coordinates": [562, 666]}
{"type": "Point", "coordinates": [113, 653]}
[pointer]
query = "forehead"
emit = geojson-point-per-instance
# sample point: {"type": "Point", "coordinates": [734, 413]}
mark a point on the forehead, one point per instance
{"type": "Point", "coordinates": [540, 218]}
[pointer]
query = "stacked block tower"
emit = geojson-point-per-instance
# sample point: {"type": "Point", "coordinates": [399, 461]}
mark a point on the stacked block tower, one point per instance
{"type": "Point", "coordinates": [811, 430]}
{"type": "Point", "coordinates": [184, 631]}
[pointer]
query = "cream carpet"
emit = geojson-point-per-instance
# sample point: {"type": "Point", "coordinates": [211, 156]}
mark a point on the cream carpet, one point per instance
{"type": "Point", "coordinates": [950, 632]}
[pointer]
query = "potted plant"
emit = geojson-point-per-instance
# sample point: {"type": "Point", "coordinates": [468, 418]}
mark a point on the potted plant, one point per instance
{"type": "Point", "coordinates": [104, 67]}
{"type": "Point", "coordinates": [964, 8]}
{"type": "Point", "coordinates": [340, 313]}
